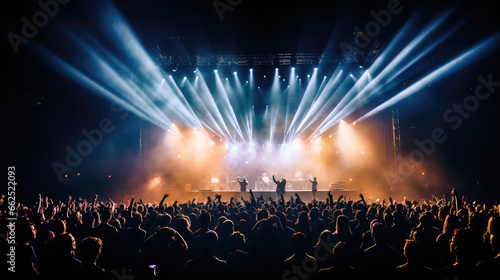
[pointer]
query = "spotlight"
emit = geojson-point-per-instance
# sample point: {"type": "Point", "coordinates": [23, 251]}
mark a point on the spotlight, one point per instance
{"type": "Point", "coordinates": [276, 69]}
{"type": "Point", "coordinates": [251, 70]}
{"type": "Point", "coordinates": [235, 73]}
{"type": "Point", "coordinates": [215, 71]}
{"type": "Point", "coordinates": [315, 69]}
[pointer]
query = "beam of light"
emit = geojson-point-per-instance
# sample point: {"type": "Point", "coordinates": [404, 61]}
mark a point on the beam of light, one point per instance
{"type": "Point", "coordinates": [204, 99]}
{"type": "Point", "coordinates": [304, 105]}
{"type": "Point", "coordinates": [331, 119]}
{"type": "Point", "coordinates": [122, 72]}
{"type": "Point", "coordinates": [324, 101]}
{"type": "Point", "coordinates": [226, 107]}
{"type": "Point", "coordinates": [447, 69]}
{"type": "Point", "coordinates": [274, 106]}
{"type": "Point", "coordinates": [202, 112]}
{"type": "Point", "coordinates": [377, 86]}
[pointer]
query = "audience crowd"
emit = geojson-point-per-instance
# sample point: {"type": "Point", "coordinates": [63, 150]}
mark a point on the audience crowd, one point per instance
{"type": "Point", "coordinates": [257, 238]}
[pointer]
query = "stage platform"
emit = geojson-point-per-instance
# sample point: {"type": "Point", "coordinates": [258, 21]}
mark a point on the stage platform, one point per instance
{"type": "Point", "coordinates": [305, 195]}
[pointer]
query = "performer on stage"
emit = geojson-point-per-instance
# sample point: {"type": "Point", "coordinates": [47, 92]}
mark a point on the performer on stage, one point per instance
{"type": "Point", "coordinates": [243, 185]}
{"type": "Point", "coordinates": [280, 187]}
{"type": "Point", "coordinates": [314, 187]}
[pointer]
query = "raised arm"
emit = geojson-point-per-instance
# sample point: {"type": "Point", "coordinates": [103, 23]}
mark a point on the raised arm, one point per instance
{"type": "Point", "coordinates": [362, 199]}
{"type": "Point", "coordinates": [163, 199]}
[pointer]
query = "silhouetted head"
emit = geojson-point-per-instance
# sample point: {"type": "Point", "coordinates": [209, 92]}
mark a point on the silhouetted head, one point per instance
{"type": "Point", "coordinates": [205, 219]}
{"type": "Point", "coordinates": [414, 251]}
{"type": "Point", "coordinates": [343, 225]}
{"type": "Point", "coordinates": [299, 242]}
{"type": "Point", "coordinates": [181, 224]}
{"type": "Point", "coordinates": [464, 243]}
{"type": "Point", "coordinates": [209, 241]}
{"type": "Point", "coordinates": [65, 245]}
{"type": "Point", "coordinates": [89, 249]}
{"type": "Point", "coordinates": [237, 241]}
{"type": "Point", "coordinates": [228, 227]}
{"type": "Point", "coordinates": [379, 233]}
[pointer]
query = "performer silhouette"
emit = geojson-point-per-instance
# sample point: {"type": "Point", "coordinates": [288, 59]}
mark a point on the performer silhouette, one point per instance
{"type": "Point", "coordinates": [314, 187]}
{"type": "Point", "coordinates": [280, 187]}
{"type": "Point", "coordinates": [243, 185]}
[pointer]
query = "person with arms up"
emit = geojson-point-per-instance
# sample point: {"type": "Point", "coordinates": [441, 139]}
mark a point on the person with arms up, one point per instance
{"type": "Point", "coordinates": [314, 187]}
{"type": "Point", "coordinates": [280, 187]}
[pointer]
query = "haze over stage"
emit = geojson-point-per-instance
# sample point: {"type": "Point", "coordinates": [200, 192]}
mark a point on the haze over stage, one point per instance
{"type": "Point", "coordinates": [340, 93]}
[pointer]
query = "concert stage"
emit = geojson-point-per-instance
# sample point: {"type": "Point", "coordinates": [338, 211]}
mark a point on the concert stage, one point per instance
{"type": "Point", "coordinates": [305, 195]}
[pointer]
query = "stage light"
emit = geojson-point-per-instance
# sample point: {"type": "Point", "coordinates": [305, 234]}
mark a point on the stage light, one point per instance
{"type": "Point", "coordinates": [251, 70]}
{"type": "Point", "coordinates": [264, 76]}
{"type": "Point", "coordinates": [156, 180]}
{"type": "Point", "coordinates": [178, 156]}
{"type": "Point", "coordinates": [235, 73]}
{"type": "Point", "coordinates": [315, 69]}
{"type": "Point", "coordinates": [215, 71]}
{"type": "Point", "coordinates": [276, 69]}
{"type": "Point", "coordinates": [109, 176]}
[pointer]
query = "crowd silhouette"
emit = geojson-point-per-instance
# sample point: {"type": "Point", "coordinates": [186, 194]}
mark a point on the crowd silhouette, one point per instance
{"type": "Point", "coordinates": [258, 238]}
